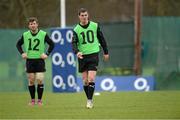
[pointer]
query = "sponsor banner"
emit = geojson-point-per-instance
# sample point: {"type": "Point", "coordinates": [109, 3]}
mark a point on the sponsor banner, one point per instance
{"type": "Point", "coordinates": [63, 61]}
{"type": "Point", "coordinates": [64, 70]}
{"type": "Point", "coordinates": [121, 83]}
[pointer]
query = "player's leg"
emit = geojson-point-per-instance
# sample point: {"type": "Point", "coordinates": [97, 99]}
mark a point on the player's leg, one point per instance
{"type": "Point", "coordinates": [92, 70]}
{"type": "Point", "coordinates": [85, 82]}
{"type": "Point", "coordinates": [40, 88]}
{"type": "Point", "coordinates": [39, 68]}
{"type": "Point", "coordinates": [91, 78]}
{"type": "Point", "coordinates": [91, 87]}
{"type": "Point", "coordinates": [31, 86]}
{"type": "Point", "coordinates": [82, 69]}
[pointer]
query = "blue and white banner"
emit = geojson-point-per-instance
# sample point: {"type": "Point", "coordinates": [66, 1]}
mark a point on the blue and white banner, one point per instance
{"type": "Point", "coordinates": [63, 61]}
{"type": "Point", "coordinates": [64, 70]}
{"type": "Point", "coordinates": [121, 83]}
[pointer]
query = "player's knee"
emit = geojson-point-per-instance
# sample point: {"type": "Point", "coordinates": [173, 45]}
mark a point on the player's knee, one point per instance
{"type": "Point", "coordinates": [84, 78]}
{"type": "Point", "coordinates": [40, 78]}
{"type": "Point", "coordinates": [85, 82]}
{"type": "Point", "coordinates": [40, 82]}
{"type": "Point", "coordinates": [91, 79]}
{"type": "Point", "coordinates": [31, 79]}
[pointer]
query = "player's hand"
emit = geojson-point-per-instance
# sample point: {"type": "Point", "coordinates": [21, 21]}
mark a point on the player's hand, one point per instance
{"type": "Point", "coordinates": [80, 55]}
{"type": "Point", "coordinates": [44, 56]}
{"type": "Point", "coordinates": [24, 55]}
{"type": "Point", "coordinates": [106, 57]}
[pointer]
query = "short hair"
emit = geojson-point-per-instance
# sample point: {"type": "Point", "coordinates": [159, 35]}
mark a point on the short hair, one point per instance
{"type": "Point", "coordinates": [82, 10]}
{"type": "Point", "coordinates": [32, 19]}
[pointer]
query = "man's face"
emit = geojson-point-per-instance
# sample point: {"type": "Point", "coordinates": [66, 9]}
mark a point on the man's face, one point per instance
{"type": "Point", "coordinates": [83, 17]}
{"type": "Point", "coordinates": [33, 26]}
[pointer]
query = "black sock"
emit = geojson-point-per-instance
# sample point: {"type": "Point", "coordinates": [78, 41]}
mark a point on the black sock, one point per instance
{"type": "Point", "coordinates": [86, 90]}
{"type": "Point", "coordinates": [32, 91]}
{"type": "Point", "coordinates": [91, 88]}
{"type": "Point", "coordinates": [40, 90]}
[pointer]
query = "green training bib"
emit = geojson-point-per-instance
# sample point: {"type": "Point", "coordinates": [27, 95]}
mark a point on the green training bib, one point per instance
{"type": "Point", "coordinates": [88, 41]}
{"type": "Point", "coordinates": [34, 45]}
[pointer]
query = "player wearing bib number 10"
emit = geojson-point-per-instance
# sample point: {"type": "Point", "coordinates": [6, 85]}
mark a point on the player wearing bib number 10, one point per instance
{"type": "Point", "coordinates": [86, 42]}
{"type": "Point", "coordinates": [33, 42]}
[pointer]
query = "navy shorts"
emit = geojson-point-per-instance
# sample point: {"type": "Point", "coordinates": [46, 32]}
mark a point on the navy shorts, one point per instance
{"type": "Point", "coordinates": [89, 62]}
{"type": "Point", "coordinates": [35, 65]}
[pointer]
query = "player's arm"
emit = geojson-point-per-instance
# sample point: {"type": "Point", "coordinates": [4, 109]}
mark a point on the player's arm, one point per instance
{"type": "Point", "coordinates": [75, 42]}
{"type": "Point", "coordinates": [75, 46]}
{"type": "Point", "coordinates": [50, 43]}
{"type": "Point", "coordinates": [102, 40]}
{"type": "Point", "coordinates": [103, 43]}
{"type": "Point", "coordinates": [19, 44]}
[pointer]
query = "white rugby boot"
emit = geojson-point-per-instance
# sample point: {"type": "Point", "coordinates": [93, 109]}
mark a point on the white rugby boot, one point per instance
{"type": "Point", "coordinates": [89, 104]}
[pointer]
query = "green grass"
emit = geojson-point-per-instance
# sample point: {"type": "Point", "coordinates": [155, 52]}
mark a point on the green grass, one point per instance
{"type": "Point", "coordinates": [116, 105]}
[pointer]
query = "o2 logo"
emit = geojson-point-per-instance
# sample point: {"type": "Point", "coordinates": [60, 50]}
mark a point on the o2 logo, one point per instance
{"type": "Point", "coordinates": [141, 84]}
{"type": "Point", "coordinates": [57, 59]}
{"type": "Point", "coordinates": [71, 82]}
{"type": "Point", "coordinates": [108, 85]}
{"type": "Point", "coordinates": [70, 59]}
{"type": "Point", "coordinates": [58, 82]}
{"type": "Point", "coordinates": [57, 37]}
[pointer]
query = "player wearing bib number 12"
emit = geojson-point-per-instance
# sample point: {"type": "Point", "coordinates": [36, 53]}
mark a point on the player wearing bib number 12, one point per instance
{"type": "Point", "coordinates": [87, 39]}
{"type": "Point", "coordinates": [34, 52]}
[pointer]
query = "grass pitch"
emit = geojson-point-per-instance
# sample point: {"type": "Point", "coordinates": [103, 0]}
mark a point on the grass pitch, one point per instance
{"type": "Point", "coordinates": [108, 105]}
